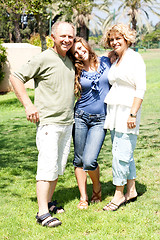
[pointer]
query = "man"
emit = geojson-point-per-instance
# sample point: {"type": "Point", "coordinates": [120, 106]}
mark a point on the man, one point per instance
{"type": "Point", "coordinates": [53, 74]}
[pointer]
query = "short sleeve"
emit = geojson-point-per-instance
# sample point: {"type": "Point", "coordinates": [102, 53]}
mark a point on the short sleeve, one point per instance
{"type": "Point", "coordinates": [29, 70]}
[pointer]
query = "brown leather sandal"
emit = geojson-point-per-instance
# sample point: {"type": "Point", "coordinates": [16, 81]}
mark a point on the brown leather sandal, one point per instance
{"type": "Point", "coordinates": [113, 207]}
{"type": "Point", "coordinates": [83, 204]}
{"type": "Point", "coordinates": [96, 197]}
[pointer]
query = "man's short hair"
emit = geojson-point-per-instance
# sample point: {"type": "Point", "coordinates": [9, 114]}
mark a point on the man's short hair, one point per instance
{"type": "Point", "coordinates": [55, 26]}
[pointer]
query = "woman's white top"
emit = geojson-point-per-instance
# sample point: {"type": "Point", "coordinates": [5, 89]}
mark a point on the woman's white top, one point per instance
{"type": "Point", "coordinates": [128, 80]}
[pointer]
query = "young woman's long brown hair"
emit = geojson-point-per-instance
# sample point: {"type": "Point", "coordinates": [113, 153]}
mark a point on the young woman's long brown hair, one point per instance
{"type": "Point", "coordinates": [79, 65]}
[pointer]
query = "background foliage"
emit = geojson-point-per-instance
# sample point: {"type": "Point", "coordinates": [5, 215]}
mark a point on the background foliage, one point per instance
{"type": "Point", "coordinates": [22, 19]}
{"type": "Point", "coordinates": [3, 58]}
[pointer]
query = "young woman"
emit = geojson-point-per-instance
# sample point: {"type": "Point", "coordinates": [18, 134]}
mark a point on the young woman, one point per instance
{"type": "Point", "coordinates": [128, 79]}
{"type": "Point", "coordinates": [91, 87]}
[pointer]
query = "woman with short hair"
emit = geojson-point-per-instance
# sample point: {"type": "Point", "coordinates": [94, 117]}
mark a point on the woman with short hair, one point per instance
{"type": "Point", "coordinates": [127, 77]}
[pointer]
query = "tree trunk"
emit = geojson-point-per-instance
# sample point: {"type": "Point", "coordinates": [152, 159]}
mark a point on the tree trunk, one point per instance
{"type": "Point", "coordinates": [41, 31]}
{"type": "Point", "coordinates": [83, 31]}
{"type": "Point", "coordinates": [134, 25]}
{"type": "Point", "coordinates": [18, 38]}
{"type": "Point", "coordinates": [10, 37]}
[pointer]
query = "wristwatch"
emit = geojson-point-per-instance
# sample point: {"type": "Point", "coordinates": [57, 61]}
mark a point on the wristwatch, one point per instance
{"type": "Point", "coordinates": [133, 115]}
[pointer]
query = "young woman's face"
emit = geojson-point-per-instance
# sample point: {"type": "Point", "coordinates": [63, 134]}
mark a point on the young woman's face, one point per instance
{"type": "Point", "coordinates": [80, 52]}
{"type": "Point", "coordinates": [118, 43]}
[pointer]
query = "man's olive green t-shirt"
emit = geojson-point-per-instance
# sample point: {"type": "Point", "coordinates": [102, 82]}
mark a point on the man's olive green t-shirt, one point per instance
{"type": "Point", "coordinates": [54, 86]}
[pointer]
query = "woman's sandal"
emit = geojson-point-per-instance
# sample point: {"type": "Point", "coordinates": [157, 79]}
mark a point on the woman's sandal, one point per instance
{"type": "Point", "coordinates": [96, 197]}
{"type": "Point", "coordinates": [41, 218]}
{"type": "Point", "coordinates": [83, 204]}
{"type": "Point", "coordinates": [131, 200]}
{"type": "Point", "coordinates": [113, 207]}
{"type": "Point", "coordinates": [54, 209]}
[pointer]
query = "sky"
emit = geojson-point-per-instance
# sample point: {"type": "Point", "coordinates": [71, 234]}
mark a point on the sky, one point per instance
{"type": "Point", "coordinates": [152, 18]}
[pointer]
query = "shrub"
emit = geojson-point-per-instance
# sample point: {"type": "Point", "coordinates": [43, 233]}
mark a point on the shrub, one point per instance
{"type": "Point", "coordinates": [49, 42]}
{"type": "Point", "coordinates": [36, 41]}
{"type": "Point", "coordinates": [3, 58]}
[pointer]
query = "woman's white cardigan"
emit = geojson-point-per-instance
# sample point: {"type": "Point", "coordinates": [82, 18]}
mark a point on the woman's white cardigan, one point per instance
{"type": "Point", "coordinates": [128, 80]}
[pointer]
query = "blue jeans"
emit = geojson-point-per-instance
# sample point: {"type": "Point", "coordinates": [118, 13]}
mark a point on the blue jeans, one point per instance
{"type": "Point", "coordinates": [123, 165]}
{"type": "Point", "coordinates": [88, 137]}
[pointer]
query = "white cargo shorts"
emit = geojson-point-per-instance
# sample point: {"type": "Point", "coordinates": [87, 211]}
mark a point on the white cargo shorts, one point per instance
{"type": "Point", "coordinates": [53, 144]}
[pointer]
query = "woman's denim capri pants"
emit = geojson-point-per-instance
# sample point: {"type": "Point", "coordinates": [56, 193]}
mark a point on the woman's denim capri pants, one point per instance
{"type": "Point", "coordinates": [88, 137]}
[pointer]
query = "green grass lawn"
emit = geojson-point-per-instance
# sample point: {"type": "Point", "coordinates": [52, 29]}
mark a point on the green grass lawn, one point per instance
{"type": "Point", "coordinates": [18, 160]}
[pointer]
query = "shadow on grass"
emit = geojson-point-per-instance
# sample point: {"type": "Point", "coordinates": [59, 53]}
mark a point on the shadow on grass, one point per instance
{"type": "Point", "coordinates": [65, 195]}
{"type": "Point", "coordinates": [19, 156]}
{"type": "Point", "coordinates": [18, 147]}
{"type": "Point", "coordinates": [13, 102]}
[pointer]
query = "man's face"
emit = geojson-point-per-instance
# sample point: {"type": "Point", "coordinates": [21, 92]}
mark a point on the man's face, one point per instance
{"type": "Point", "coordinates": [63, 39]}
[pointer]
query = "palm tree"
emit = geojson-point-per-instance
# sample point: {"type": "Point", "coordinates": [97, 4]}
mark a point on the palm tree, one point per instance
{"type": "Point", "coordinates": [109, 15]}
{"type": "Point", "coordinates": [80, 13]}
{"type": "Point", "coordinates": [81, 18]}
{"type": "Point", "coordinates": [138, 11]}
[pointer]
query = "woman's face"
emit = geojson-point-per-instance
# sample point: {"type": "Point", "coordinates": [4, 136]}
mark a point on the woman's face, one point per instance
{"type": "Point", "coordinates": [80, 52]}
{"type": "Point", "coordinates": [118, 43]}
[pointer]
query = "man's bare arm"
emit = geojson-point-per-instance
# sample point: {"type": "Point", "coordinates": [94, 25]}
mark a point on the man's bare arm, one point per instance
{"type": "Point", "coordinates": [20, 91]}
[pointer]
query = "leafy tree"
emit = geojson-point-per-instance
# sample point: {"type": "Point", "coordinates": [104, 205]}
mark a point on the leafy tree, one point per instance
{"type": "Point", "coordinates": [153, 37]}
{"type": "Point", "coordinates": [77, 11]}
{"type": "Point", "coordinates": [157, 26]}
{"type": "Point", "coordinates": [38, 9]}
{"type": "Point", "coordinates": [4, 30]}
{"type": "Point", "coordinates": [13, 8]}
{"type": "Point", "coordinates": [7, 27]}
{"type": "Point", "coordinates": [151, 41]}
